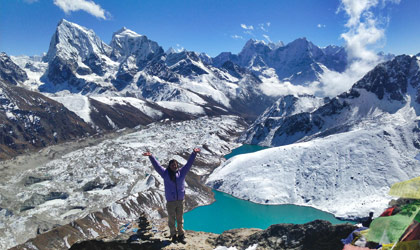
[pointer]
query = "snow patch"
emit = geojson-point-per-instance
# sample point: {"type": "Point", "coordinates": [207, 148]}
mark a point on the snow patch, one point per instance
{"type": "Point", "coordinates": [93, 233]}
{"type": "Point", "coordinates": [78, 104]}
{"type": "Point", "coordinates": [182, 107]}
{"type": "Point", "coordinates": [346, 174]}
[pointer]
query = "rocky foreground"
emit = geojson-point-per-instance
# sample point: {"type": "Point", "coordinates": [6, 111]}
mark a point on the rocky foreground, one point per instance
{"type": "Point", "coordinates": [314, 235]}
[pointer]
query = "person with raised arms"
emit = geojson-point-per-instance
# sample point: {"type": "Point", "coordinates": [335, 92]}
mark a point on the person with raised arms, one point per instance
{"type": "Point", "coordinates": [174, 181]}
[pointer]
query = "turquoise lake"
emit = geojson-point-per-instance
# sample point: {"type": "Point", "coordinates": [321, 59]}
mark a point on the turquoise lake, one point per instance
{"type": "Point", "coordinates": [244, 149]}
{"type": "Point", "coordinates": [228, 212]}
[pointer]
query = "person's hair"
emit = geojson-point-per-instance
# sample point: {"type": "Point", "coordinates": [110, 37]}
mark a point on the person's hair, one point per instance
{"type": "Point", "coordinates": [172, 174]}
{"type": "Point", "coordinates": [173, 161]}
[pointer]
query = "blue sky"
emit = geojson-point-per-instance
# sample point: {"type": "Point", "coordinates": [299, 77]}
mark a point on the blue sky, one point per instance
{"type": "Point", "coordinates": [210, 26]}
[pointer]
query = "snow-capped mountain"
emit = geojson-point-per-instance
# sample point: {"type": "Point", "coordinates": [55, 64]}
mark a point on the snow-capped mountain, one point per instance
{"type": "Point", "coordinates": [298, 62]}
{"type": "Point", "coordinates": [78, 60]}
{"type": "Point", "coordinates": [341, 157]}
{"type": "Point", "coordinates": [134, 66]}
{"type": "Point", "coordinates": [30, 120]}
{"type": "Point", "coordinates": [126, 43]}
{"type": "Point", "coordinates": [133, 52]}
{"type": "Point", "coordinates": [389, 82]}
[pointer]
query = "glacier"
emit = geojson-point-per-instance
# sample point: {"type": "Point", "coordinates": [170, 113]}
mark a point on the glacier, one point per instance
{"type": "Point", "coordinates": [57, 191]}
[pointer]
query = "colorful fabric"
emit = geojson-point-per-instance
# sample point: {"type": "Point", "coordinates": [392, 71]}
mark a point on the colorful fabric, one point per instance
{"type": "Point", "coordinates": [406, 189]}
{"type": "Point", "coordinates": [412, 233]}
{"type": "Point", "coordinates": [403, 245]}
{"type": "Point", "coordinates": [387, 212]}
{"type": "Point", "coordinates": [350, 238]}
{"type": "Point", "coordinates": [385, 230]}
{"type": "Point", "coordinates": [351, 247]}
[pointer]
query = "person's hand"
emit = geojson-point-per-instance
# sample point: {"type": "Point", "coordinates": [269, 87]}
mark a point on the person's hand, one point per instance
{"type": "Point", "coordinates": [196, 150]}
{"type": "Point", "coordinates": [147, 154]}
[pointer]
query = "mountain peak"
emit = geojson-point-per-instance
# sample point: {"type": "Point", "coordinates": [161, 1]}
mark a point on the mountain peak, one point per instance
{"type": "Point", "coordinates": [253, 43]}
{"type": "Point", "coordinates": [124, 31]}
{"type": "Point", "coordinates": [126, 42]}
{"type": "Point", "coordinates": [65, 23]}
{"type": "Point", "coordinates": [300, 42]}
{"type": "Point", "coordinates": [252, 48]}
{"type": "Point", "coordinates": [171, 50]}
{"type": "Point", "coordinates": [71, 39]}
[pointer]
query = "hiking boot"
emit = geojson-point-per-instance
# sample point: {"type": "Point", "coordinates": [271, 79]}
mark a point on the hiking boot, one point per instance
{"type": "Point", "coordinates": [181, 239]}
{"type": "Point", "coordinates": [174, 238]}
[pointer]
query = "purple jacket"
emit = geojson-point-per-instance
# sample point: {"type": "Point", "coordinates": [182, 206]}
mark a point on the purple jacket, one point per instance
{"type": "Point", "coordinates": [174, 191]}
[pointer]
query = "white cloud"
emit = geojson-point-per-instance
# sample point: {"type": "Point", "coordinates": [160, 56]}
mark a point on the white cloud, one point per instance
{"type": "Point", "coordinates": [275, 88]}
{"type": "Point", "coordinates": [268, 24]}
{"type": "Point", "coordinates": [334, 83]}
{"type": "Point", "coordinates": [30, 1]}
{"type": "Point", "coordinates": [355, 9]}
{"type": "Point", "coordinates": [363, 34]}
{"type": "Point", "coordinates": [245, 27]}
{"type": "Point", "coordinates": [267, 38]}
{"type": "Point", "coordinates": [237, 37]}
{"type": "Point", "coordinates": [363, 29]}
{"type": "Point", "coordinates": [321, 25]}
{"type": "Point", "coordinates": [272, 86]}
{"type": "Point", "coordinates": [75, 5]}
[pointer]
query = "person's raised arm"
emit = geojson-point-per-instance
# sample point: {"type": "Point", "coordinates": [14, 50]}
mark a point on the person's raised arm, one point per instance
{"type": "Point", "coordinates": [184, 170]}
{"type": "Point", "coordinates": [155, 163]}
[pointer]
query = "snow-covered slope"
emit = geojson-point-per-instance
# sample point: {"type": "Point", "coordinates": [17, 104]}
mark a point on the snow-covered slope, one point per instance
{"type": "Point", "coordinates": [94, 177]}
{"type": "Point", "coordinates": [34, 67]}
{"type": "Point", "coordinates": [262, 131]}
{"type": "Point", "coordinates": [346, 154]}
{"type": "Point", "coordinates": [30, 120]}
{"type": "Point", "coordinates": [386, 89]}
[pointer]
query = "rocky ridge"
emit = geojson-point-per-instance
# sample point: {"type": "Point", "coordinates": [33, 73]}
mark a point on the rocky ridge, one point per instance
{"type": "Point", "coordinates": [317, 235]}
{"type": "Point", "coordinates": [10, 72]}
{"type": "Point", "coordinates": [142, 234]}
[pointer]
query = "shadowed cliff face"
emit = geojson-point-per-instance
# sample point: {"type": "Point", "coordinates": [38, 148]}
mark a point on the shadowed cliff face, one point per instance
{"type": "Point", "coordinates": [30, 120]}
{"type": "Point", "coordinates": [10, 72]}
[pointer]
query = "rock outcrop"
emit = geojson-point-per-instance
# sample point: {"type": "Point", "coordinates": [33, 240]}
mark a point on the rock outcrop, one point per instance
{"type": "Point", "coordinates": [317, 235]}
{"type": "Point", "coordinates": [10, 72]}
